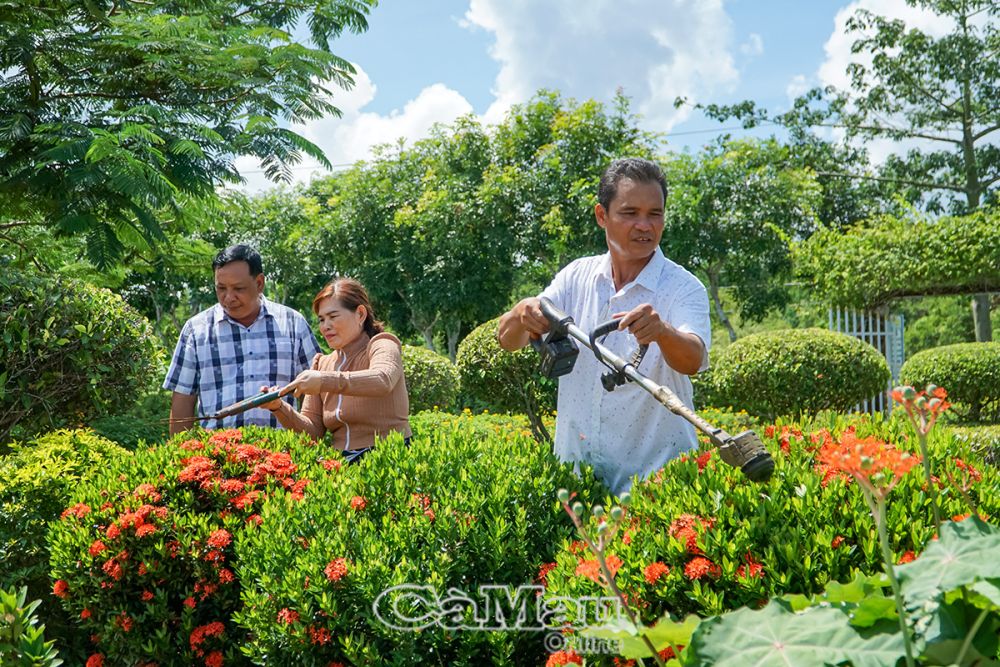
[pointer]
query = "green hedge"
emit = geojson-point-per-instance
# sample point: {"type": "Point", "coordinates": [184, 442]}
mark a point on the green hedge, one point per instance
{"type": "Point", "coordinates": [723, 542]}
{"type": "Point", "coordinates": [36, 482]}
{"type": "Point", "coordinates": [984, 440]}
{"type": "Point", "coordinates": [798, 371]}
{"type": "Point", "coordinates": [970, 372]}
{"type": "Point", "coordinates": [68, 352]}
{"type": "Point", "coordinates": [22, 639]}
{"type": "Point", "coordinates": [459, 508]}
{"type": "Point", "coordinates": [431, 379]}
{"type": "Point", "coordinates": [144, 422]}
{"type": "Point", "coordinates": [503, 381]}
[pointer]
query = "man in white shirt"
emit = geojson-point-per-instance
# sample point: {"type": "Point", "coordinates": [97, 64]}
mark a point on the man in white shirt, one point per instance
{"type": "Point", "coordinates": [624, 433]}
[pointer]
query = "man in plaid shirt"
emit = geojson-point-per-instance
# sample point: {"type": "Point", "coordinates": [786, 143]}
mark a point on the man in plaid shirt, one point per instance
{"type": "Point", "coordinates": [244, 342]}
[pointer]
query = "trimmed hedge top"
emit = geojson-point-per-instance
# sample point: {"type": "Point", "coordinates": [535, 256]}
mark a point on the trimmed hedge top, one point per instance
{"type": "Point", "coordinates": [969, 371]}
{"type": "Point", "coordinates": [798, 371]}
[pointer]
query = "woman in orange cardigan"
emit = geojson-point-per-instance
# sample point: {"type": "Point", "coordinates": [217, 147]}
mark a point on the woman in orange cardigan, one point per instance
{"type": "Point", "coordinates": [357, 392]}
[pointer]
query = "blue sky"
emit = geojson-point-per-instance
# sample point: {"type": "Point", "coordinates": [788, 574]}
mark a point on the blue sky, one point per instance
{"type": "Point", "coordinates": [427, 61]}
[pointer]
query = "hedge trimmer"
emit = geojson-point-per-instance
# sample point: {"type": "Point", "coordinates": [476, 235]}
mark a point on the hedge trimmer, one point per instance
{"type": "Point", "coordinates": [238, 407]}
{"type": "Point", "coordinates": [743, 450]}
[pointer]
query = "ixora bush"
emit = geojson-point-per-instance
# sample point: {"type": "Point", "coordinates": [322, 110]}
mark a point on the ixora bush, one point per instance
{"type": "Point", "coordinates": [504, 381]}
{"type": "Point", "coordinates": [68, 351]}
{"type": "Point", "coordinates": [942, 609]}
{"type": "Point", "coordinates": [431, 379]}
{"type": "Point", "coordinates": [456, 510]}
{"type": "Point", "coordinates": [36, 482]}
{"type": "Point", "coordinates": [970, 371]}
{"type": "Point", "coordinates": [143, 557]}
{"type": "Point", "coordinates": [796, 371]}
{"type": "Point", "coordinates": [701, 539]}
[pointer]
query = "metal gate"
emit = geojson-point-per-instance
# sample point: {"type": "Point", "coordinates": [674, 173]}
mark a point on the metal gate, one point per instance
{"type": "Point", "coordinates": [882, 331]}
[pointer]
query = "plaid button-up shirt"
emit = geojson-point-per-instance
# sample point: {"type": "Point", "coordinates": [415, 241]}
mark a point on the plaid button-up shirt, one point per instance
{"type": "Point", "coordinates": [223, 361]}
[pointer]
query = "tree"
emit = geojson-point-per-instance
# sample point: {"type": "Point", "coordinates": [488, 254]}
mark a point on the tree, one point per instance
{"type": "Point", "coordinates": [939, 92]}
{"type": "Point", "coordinates": [111, 111]}
{"type": "Point", "coordinates": [730, 215]}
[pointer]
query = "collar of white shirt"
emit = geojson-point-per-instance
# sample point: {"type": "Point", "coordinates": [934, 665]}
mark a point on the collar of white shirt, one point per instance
{"type": "Point", "coordinates": [649, 277]}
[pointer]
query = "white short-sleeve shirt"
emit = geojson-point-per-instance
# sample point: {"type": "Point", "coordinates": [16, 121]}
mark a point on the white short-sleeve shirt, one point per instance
{"type": "Point", "coordinates": [626, 432]}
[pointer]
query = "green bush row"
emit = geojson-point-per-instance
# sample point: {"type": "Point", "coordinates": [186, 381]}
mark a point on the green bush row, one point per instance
{"type": "Point", "coordinates": [700, 538]}
{"type": "Point", "coordinates": [220, 545]}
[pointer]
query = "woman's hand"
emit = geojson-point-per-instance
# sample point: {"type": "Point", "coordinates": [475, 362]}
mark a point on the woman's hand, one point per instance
{"type": "Point", "coordinates": [270, 405]}
{"type": "Point", "coordinates": [307, 382]}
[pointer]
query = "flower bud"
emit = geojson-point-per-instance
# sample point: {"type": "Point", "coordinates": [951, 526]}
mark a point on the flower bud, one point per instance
{"type": "Point", "coordinates": [617, 513]}
{"type": "Point", "coordinates": [920, 402]}
{"type": "Point", "coordinates": [578, 508]}
{"type": "Point", "coordinates": [625, 499]}
{"type": "Point", "coordinates": [598, 511]}
{"type": "Point", "coordinates": [602, 528]}
{"type": "Point", "coordinates": [563, 496]}
{"type": "Point", "coordinates": [909, 393]}
{"type": "Point", "coordinates": [931, 388]}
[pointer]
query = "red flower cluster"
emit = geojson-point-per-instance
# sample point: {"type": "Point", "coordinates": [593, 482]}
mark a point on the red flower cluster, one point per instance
{"type": "Point", "coordinates": [336, 569]}
{"type": "Point", "coordinates": [319, 636]}
{"type": "Point", "coordinates": [203, 632]}
{"type": "Point", "coordinates": [60, 589]}
{"type": "Point", "coordinates": [592, 568]}
{"type": "Point", "coordinates": [543, 573]}
{"type": "Point", "coordinates": [654, 571]}
{"type": "Point", "coordinates": [752, 569]}
{"type": "Point", "coordinates": [907, 557]}
{"type": "Point", "coordinates": [358, 503]}
{"type": "Point", "coordinates": [699, 567]}
{"type": "Point", "coordinates": [685, 529]}
{"type": "Point", "coordinates": [79, 510]}
{"type": "Point", "coordinates": [96, 660]}
{"type": "Point", "coordinates": [288, 616]}
{"type": "Point", "coordinates": [563, 658]}
{"type": "Point", "coordinates": [220, 539]}
{"type": "Point", "coordinates": [331, 465]}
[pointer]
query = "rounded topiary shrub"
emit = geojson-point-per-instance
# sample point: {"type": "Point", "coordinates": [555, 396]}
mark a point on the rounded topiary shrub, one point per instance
{"type": "Point", "coordinates": [705, 392]}
{"type": "Point", "coordinates": [457, 510]}
{"type": "Point", "coordinates": [798, 371]}
{"type": "Point", "coordinates": [431, 379]}
{"type": "Point", "coordinates": [69, 351]}
{"type": "Point", "coordinates": [499, 380]}
{"type": "Point", "coordinates": [970, 372]}
{"type": "Point", "coordinates": [36, 482]}
{"type": "Point", "coordinates": [700, 538]}
{"type": "Point", "coordinates": [144, 555]}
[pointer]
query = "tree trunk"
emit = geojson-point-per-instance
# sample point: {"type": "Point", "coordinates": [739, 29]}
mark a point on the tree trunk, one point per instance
{"type": "Point", "coordinates": [453, 330]}
{"type": "Point", "coordinates": [713, 289]}
{"type": "Point", "coordinates": [425, 325]}
{"type": "Point", "coordinates": [981, 316]}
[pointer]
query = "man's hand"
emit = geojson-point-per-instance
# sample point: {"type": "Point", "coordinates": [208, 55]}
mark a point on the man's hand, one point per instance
{"type": "Point", "coordinates": [521, 323]}
{"type": "Point", "coordinates": [644, 323]}
{"type": "Point", "coordinates": [306, 382]}
{"type": "Point", "coordinates": [182, 412]}
{"type": "Point", "coordinates": [682, 351]}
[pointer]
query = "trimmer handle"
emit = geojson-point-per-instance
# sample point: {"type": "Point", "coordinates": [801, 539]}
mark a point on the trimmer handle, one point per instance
{"type": "Point", "coordinates": [558, 320]}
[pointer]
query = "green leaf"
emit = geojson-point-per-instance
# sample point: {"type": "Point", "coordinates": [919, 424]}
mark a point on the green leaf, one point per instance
{"type": "Point", "coordinates": [629, 638]}
{"type": "Point", "coordinates": [775, 635]}
{"type": "Point", "coordinates": [964, 554]}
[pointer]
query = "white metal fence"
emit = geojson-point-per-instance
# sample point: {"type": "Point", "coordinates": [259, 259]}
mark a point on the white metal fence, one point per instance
{"type": "Point", "coordinates": [884, 332]}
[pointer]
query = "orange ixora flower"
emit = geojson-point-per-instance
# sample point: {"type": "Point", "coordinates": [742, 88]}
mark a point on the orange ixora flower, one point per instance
{"type": "Point", "coordinates": [654, 571]}
{"type": "Point", "coordinates": [877, 466]}
{"type": "Point", "coordinates": [592, 568]}
{"type": "Point", "coordinates": [564, 658]}
{"type": "Point", "coordinates": [699, 567]}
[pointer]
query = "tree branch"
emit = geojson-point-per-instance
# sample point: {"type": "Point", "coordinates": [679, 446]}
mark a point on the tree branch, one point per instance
{"type": "Point", "coordinates": [16, 223]}
{"type": "Point", "coordinates": [979, 135]}
{"type": "Point", "coordinates": [901, 181]}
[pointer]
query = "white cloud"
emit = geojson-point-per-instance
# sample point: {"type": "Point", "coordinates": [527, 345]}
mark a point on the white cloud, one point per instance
{"type": "Point", "coordinates": [754, 46]}
{"type": "Point", "coordinates": [347, 139]}
{"type": "Point", "coordinates": [654, 50]}
{"type": "Point", "coordinates": [797, 86]}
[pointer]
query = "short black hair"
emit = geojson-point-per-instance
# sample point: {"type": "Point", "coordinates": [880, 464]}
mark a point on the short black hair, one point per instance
{"type": "Point", "coordinates": [637, 169]}
{"type": "Point", "coordinates": [239, 253]}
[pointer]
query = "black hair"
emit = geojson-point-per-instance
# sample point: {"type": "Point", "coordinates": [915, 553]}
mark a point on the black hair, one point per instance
{"type": "Point", "coordinates": [637, 169]}
{"type": "Point", "coordinates": [239, 253]}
